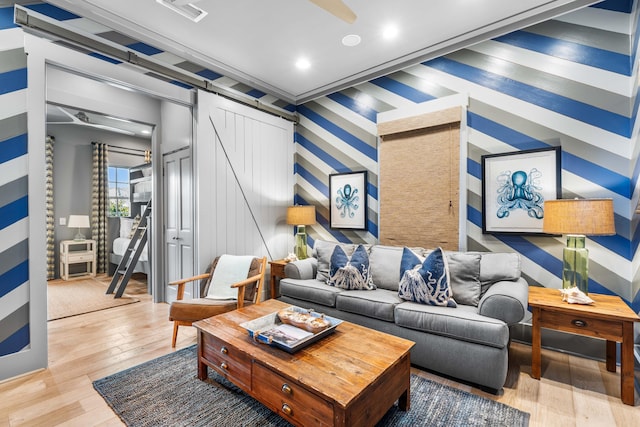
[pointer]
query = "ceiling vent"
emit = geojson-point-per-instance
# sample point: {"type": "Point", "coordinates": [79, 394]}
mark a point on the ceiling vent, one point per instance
{"type": "Point", "coordinates": [185, 8]}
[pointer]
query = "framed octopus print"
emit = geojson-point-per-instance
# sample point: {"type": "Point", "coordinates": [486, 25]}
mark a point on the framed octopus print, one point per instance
{"type": "Point", "coordinates": [514, 188]}
{"type": "Point", "coordinates": [348, 200]}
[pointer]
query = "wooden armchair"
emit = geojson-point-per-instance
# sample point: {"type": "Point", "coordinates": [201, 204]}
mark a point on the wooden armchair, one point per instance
{"type": "Point", "coordinates": [249, 291]}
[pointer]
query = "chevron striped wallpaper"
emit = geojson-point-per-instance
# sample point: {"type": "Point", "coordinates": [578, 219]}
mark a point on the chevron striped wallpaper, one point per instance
{"type": "Point", "coordinates": [569, 82]}
{"type": "Point", "coordinates": [14, 259]}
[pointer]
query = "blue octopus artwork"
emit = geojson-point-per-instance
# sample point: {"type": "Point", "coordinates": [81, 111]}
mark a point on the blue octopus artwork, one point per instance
{"type": "Point", "coordinates": [347, 201]}
{"type": "Point", "coordinates": [519, 190]}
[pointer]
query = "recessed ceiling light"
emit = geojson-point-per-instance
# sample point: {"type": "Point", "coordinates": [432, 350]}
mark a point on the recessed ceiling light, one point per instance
{"type": "Point", "coordinates": [390, 32]}
{"type": "Point", "coordinates": [351, 40]}
{"type": "Point", "coordinates": [303, 64]}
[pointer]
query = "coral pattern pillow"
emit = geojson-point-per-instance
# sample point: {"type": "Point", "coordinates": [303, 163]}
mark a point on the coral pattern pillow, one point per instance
{"type": "Point", "coordinates": [350, 272]}
{"type": "Point", "coordinates": [425, 282]}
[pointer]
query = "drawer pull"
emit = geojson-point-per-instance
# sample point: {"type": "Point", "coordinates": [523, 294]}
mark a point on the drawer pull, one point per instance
{"type": "Point", "coordinates": [287, 409]}
{"type": "Point", "coordinates": [224, 365]}
{"type": "Point", "coordinates": [224, 350]}
{"type": "Point", "coordinates": [579, 323]}
{"type": "Point", "coordinates": [286, 389]}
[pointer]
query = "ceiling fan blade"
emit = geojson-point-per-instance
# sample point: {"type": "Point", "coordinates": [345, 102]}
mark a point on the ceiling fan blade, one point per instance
{"type": "Point", "coordinates": [73, 118]}
{"type": "Point", "coordinates": [111, 129]}
{"type": "Point", "coordinates": [93, 125]}
{"type": "Point", "coordinates": [337, 8]}
{"type": "Point", "coordinates": [182, 2]}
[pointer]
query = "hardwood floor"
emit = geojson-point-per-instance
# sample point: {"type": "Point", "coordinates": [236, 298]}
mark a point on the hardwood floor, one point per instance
{"type": "Point", "coordinates": [572, 392]}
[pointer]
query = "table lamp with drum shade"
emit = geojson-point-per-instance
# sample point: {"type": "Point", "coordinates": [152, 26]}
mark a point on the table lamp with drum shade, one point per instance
{"type": "Point", "coordinates": [578, 218]}
{"type": "Point", "coordinates": [301, 216]}
{"type": "Point", "coordinates": [79, 222]}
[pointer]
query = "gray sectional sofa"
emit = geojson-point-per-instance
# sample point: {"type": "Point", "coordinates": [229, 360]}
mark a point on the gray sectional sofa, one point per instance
{"type": "Point", "coordinates": [469, 342]}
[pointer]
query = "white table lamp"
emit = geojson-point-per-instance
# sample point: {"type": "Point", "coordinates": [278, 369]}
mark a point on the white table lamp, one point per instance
{"type": "Point", "coordinates": [79, 222]}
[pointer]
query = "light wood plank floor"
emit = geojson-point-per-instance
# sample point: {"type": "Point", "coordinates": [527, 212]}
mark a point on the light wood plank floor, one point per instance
{"type": "Point", "coordinates": [572, 392]}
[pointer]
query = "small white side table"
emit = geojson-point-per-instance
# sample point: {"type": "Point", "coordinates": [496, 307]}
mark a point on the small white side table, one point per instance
{"type": "Point", "coordinates": [77, 252]}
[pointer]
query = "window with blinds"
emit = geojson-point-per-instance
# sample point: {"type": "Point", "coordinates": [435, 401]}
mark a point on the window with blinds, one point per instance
{"type": "Point", "coordinates": [419, 160]}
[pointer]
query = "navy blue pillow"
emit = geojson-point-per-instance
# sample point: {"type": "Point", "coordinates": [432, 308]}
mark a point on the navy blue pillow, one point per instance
{"type": "Point", "coordinates": [350, 272]}
{"type": "Point", "coordinates": [425, 282]}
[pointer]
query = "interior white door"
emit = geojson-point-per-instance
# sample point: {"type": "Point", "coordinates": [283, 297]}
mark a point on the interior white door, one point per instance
{"type": "Point", "coordinates": [178, 217]}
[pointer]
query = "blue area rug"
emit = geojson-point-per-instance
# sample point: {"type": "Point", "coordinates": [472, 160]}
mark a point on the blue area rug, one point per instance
{"type": "Point", "coordinates": [166, 392]}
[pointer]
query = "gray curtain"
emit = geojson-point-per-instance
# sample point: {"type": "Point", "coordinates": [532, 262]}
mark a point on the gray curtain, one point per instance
{"type": "Point", "coordinates": [51, 244]}
{"type": "Point", "coordinates": [99, 197]}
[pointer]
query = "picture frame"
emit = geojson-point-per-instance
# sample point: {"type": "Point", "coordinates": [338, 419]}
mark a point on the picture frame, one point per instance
{"type": "Point", "coordinates": [514, 188]}
{"type": "Point", "coordinates": [348, 200]}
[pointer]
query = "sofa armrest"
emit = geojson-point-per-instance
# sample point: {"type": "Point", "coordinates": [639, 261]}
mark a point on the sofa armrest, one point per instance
{"type": "Point", "coordinates": [506, 301]}
{"type": "Point", "coordinates": [302, 269]}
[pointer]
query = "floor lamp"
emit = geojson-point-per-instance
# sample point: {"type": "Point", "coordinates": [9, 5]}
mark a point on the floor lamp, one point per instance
{"type": "Point", "coordinates": [301, 216]}
{"type": "Point", "coordinates": [578, 218]}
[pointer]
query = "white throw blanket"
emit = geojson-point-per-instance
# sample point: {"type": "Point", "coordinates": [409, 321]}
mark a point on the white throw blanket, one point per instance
{"type": "Point", "coordinates": [229, 270]}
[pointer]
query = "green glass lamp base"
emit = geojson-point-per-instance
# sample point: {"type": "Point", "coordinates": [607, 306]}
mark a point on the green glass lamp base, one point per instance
{"type": "Point", "coordinates": [301, 243]}
{"type": "Point", "coordinates": [575, 270]}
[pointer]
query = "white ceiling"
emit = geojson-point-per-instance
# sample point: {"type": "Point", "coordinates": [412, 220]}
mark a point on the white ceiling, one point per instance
{"type": "Point", "coordinates": [257, 42]}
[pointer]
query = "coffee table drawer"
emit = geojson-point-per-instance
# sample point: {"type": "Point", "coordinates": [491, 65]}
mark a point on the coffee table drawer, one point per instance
{"type": "Point", "coordinates": [227, 361]}
{"type": "Point", "coordinates": [289, 399]}
{"type": "Point", "coordinates": [582, 324]}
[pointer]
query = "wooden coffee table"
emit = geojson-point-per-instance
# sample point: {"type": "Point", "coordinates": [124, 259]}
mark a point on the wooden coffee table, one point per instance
{"type": "Point", "coordinates": [349, 378]}
{"type": "Point", "coordinates": [608, 318]}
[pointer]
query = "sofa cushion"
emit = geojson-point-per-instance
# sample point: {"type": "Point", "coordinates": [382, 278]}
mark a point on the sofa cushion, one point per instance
{"type": "Point", "coordinates": [496, 267]}
{"type": "Point", "coordinates": [323, 251]}
{"type": "Point", "coordinates": [464, 323]}
{"type": "Point", "coordinates": [464, 272]}
{"type": "Point", "coordinates": [378, 304]}
{"type": "Point", "coordinates": [385, 266]}
{"type": "Point", "coordinates": [350, 272]}
{"type": "Point", "coordinates": [425, 282]}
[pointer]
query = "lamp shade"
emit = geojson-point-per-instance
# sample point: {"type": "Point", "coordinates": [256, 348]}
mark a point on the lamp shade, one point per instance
{"type": "Point", "coordinates": [579, 216]}
{"type": "Point", "coordinates": [78, 221]}
{"type": "Point", "coordinates": [301, 215]}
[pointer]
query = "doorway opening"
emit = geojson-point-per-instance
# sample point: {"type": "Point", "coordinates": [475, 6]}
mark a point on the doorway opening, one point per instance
{"type": "Point", "coordinates": [78, 272]}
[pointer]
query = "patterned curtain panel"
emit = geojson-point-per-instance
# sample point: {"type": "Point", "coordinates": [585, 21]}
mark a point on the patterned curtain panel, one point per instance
{"type": "Point", "coordinates": [51, 244]}
{"type": "Point", "coordinates": [99, 195]}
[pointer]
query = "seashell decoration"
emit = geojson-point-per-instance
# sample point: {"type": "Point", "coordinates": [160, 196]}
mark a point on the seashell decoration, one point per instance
{"type": "Point", "coordinates": [291, 257]}
{"type": "Point", "coordinates": [575, 296]}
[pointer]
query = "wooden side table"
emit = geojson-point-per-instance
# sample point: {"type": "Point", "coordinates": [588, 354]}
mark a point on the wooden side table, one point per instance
{"type": "Point", "coordinates": [277, 273]}
{"type": "Point", "coordinates": [77, 252]}
{"type": "Point", "coordinates": [608, 318]}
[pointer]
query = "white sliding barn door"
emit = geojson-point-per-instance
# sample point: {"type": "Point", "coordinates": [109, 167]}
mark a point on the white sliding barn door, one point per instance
{"type": "Point", "coordinates": [244, 168]}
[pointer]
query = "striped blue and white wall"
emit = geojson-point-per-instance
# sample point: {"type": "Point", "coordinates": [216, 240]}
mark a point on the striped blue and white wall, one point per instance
{"type": "Point", "coordinates": [569, 82]}
{"type": "Point", "coordinates": [14, 233]}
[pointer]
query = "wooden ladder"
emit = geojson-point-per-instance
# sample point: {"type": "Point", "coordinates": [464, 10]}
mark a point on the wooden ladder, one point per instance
{"type": "Point", "coordinates": [130, 256]}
